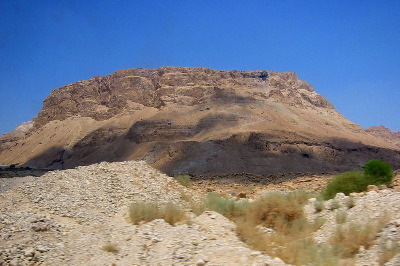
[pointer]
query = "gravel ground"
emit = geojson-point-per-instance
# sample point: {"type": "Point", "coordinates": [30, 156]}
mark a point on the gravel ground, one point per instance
{"type": "Point", "coordinates": [68, 217]}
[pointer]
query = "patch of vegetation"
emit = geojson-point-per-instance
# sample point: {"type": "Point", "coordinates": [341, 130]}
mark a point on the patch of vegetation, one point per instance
{"type": "Point", "coordinates": [388, 252]}
{"type": "Point", "coordinates": [376, 173]}
{"type": "Point", "coordinates": [228, 207]}
{"type": "Point", "coordinates": [276, 210]}
{"type": "Point", "coordinates": [341, 217]}
{"type": "Point", "coordinates": [142, 211]}
{"type": "Point", "coordinates": [173, 214]}
{"type": "Point", "coordinates": [290, 233]}
{"type": "Point", "coordinates": [319, 205]}
{"type": "Point", "coordinates": [184, 180]}
{"type": "Point", "coordinates": [346, 183]}
{"type": "Point", "coordinates": [335, 204]}
{"type": "Point", "coordinates": [348, 239]}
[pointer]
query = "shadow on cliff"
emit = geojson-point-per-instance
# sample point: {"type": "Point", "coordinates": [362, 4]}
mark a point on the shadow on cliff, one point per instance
{"type": "Point", "coordinates": [169, 148]}
{"type": "Point", "coordinates": [52, 158]}
{"type": "Point", "coordinates": [256, 154]}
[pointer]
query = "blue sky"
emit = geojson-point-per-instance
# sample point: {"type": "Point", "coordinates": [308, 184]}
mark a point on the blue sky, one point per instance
{"type": "Point", "coordinates": [348, 50]}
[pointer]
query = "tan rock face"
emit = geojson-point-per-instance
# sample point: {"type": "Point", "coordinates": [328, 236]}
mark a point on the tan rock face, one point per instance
{"type": "Point", "coordinates": [385, 134]}
{"type": "Point", "coordinates": [196, 120]}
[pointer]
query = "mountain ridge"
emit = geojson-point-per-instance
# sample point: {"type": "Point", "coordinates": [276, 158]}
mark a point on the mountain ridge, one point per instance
{"type": "Point", "coordinates": [385, 134]}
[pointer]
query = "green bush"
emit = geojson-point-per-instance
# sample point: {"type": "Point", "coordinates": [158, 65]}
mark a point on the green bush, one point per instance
{"type": "Point", "coordinates": [346, 183]}
{"type": "Point", "coordinates": [375, 173]}
{"type": "Point", "coordinates": [378, 172]}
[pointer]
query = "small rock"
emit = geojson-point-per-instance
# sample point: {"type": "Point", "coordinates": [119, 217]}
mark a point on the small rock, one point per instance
{"type": "Point", "coordinates": [14, 262]}
{"type": "Point", "coordinates": [340, 195]}
{"type": "Point", "coordinates": [397, 222]}
{"type": "Point", "coordinates": [37, 254]}
{"type": "Point", "coordinates": [29, 252]}
{"type": "Point", "coordinates": [242, 195]}
{"type": "Point", "coordinates": [13, 251]}
{"type": "Point", "coordinates": [372, 188]}
{"type": "Point", "coordinates": [312, 200]}
{"type": "Point", "coordinates": [200, 262]}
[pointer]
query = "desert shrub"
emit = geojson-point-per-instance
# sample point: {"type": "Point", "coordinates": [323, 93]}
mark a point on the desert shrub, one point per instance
{"type": "Point", "coordinates": [144, 211]}
{"type": "Point", "coordinates": [319, 205]}
{"type": "Point", "coordinates": [110, 247]}
{"type": "Point", "coordinates": [228, 207]}
{"type": "Point", "coordinates": [378, 173]}
{"type": "Point", "coordinates": [388, 252]}
{"type": "Point", "coordinates": [335, 204]}
{"type": "Point", "coordinates": [183, 179]}
{"type": "Point", "coordinates": [173, 214]}
{"type": "Point", "coordinates": [300, 196]}
{"type": "Point", "coordinates": [149, 211]}
{"type": "Point", "coordinates": [291, 240]}
{"type": "Point", "coordinates": [346, 183]}
{"type": "Point", "coordinates": [296, 247]}
{"type": "Point", "coordinates": [348, 239]}
{"type": "Point", "coordinates": [341, 217]}
{"type": "Point", "coordinates": [275, 210]}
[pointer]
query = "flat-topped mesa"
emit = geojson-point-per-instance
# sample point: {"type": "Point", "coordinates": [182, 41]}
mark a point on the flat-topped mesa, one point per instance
{"type": "Point", "coordinates": [126, 91]}
{"type": "Point", "coordinates": [195, 120]}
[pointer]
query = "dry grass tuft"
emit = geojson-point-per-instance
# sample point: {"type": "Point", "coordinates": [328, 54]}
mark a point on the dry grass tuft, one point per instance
{"type": "Point", "coordinates": [275, 210]}
{"type": "Point", "coordinates": [341, 217]}
{"type": "Point", "coordinates": [111, 247]}
{"type": "Point", "coordinates": [387, 253]}
{"type": "Point", "coordinates": [350, 203]}
{"type": "Point", "coordinates": [173, 214]}
{"type": "Point", "coordinates": [319, 206]}
{"type": "Point", "coordinates": [228, 207]}
{"type": "Point", "coordinates": [348, 239]}
{"type": "Point", "coordinates": [290, 240]}
{"type": "Point", "coordinates": [335, 204]}
{"type": "Point", "coordinates": [148, 211]}
{"type": "Point", "coordinates": [144, 211]}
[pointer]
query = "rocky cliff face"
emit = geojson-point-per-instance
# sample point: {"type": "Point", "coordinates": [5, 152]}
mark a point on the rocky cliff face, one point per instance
{"type": "Point", "coordinates": [102, 98]}
{"type": "Point", "coordinates": [196, 120]}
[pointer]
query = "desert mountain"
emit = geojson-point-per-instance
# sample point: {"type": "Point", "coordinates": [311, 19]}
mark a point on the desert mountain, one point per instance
{"type": "Point", "coordinates": [385, 134]}
{"type": "Point", "coordinates": [195, 120]}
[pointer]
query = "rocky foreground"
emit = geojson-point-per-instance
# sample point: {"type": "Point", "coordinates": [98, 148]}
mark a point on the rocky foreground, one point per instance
{"type": "Point", "coordinates": [70, 217]}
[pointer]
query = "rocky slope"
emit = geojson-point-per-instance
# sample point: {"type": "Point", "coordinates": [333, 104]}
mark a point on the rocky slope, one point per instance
{"type": "Point", "coordinates": [385, 134]}
{"type": "Point", "coordinates": [67, 217]}
{"type": "Point", "coordinates": [195, 120]}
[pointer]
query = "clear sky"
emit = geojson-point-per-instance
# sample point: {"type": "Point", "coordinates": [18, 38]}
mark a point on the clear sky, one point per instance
{"type": "Point", "coordinates": [348, 50]}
